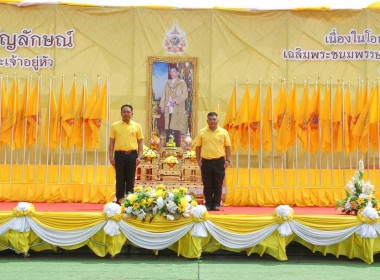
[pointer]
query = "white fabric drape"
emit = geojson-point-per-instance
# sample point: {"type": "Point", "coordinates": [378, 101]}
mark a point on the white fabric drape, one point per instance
{"type": "Point", "coordinates": [64, 238]}
{"type": "Point", "coordinates": [319, 237]}
{"type": "Point", "coordinates": [150, 240]}
{"type": "Point", "coordinates": [239, 241]}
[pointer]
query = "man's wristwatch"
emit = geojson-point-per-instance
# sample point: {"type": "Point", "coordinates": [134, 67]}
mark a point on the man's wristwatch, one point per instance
{"type": "Point", "coordinates": [228, 160]}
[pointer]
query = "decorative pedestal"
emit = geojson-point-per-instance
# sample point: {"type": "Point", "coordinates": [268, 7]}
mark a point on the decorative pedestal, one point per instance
{"type": "Point", "coordinates": [175, 174]}
{"type": "Point", "coordinates": [149, 174]}
{"type": "Point", "coordinates": [194, 172]}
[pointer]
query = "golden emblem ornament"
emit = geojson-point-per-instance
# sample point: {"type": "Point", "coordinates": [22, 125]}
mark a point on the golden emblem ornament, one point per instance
{"type": "Point", "coordinates": [155, 141]}
{"type": "Point", "coordinates": [175, 40]}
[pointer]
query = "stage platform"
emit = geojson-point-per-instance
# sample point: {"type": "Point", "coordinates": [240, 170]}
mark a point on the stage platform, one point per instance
{"type": "Point", "coordinates": [253, 230]}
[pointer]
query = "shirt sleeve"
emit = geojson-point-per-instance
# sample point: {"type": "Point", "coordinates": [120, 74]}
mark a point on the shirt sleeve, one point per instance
{"type": "Point", "coordinates": [198, 140]}
{"type": "Point", "coordinates": [139, 133]}
{"type": "Point", "coordinates": [112, 133]}
{"type": "Point", "coordinates": [228, 140]}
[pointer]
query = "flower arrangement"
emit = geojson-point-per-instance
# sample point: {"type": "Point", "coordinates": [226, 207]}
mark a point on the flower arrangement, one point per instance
{"type": "Point", "coordinates": [149, 154]}
{"type": "Point", "coordinates": [171, 142]}
{"type": "Point", "coordinates": [190, 154]}
{"type": "Point", "coordinates": [159, 201]}
{"type": "Point", "coordinates": [358, 194]}
{"type": "Point", "coordinates": [171, 161]}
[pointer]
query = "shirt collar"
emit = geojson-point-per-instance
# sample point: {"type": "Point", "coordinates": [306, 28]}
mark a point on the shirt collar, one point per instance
{"type": "Point", "coordinates": [217, 128]}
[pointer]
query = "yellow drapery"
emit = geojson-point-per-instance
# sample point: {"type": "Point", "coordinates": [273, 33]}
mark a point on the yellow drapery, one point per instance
{"type": "Point", "coordinates": [289, 194]}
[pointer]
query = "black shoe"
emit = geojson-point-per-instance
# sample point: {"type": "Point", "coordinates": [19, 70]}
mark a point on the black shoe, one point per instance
{"type": "Point", "coordinates": [208, 207]}
{"type": "Point", "coordinates": [215, 208]}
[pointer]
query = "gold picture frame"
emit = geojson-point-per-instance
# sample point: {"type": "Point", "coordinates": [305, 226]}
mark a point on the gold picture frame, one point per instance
{"type": "Point", "coordinates": [160, 85]}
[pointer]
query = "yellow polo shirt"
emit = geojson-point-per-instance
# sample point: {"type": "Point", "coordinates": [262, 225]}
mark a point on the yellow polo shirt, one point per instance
{"type": "Point", "coordinates": [126, 135]}
{"type": "Point", "coordinates": [213, 144]}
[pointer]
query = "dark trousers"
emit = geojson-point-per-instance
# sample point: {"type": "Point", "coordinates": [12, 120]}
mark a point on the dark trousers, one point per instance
{"type": "Point", "coordinates": [213, 173]}
{"type": "Point", "coordinates": [125, 168]}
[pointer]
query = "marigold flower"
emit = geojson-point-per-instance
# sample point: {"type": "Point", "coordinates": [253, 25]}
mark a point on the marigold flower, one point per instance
{"type": "Point", "coordinates": [137, 189]}
{"type": "Point", "coordinates": [181, 208]}
{"type": "Point", "coordinates": [150, 201]}
{"type": "Point", "coordinates": [175, 191]}
{"type": "Point", "coordinates": [164, 193]}
{"type": "Point", "coordinates": [360, 200]}
{"type": "Point", "coordinates": [158, 193]}
{"type": "Point", "coordinates": [183, 190]}
{"type": "Point", "coordinates": [160, 187]}
{"type": "Point", "coordinates": [136, 206]}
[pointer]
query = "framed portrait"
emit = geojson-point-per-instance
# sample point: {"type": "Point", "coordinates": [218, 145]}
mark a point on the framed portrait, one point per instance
{"type": "Point", "coordinates": [172, 98]}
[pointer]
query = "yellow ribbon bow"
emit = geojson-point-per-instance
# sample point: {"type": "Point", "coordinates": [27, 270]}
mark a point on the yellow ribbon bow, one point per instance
{"type": "Point", "coordinates": [201, 219]}
{"type": "Point", "coordinates": [116, 217]}
{"type": "Point", "coordinates": [280, 219]}
{"type": "Point", "coordinates": [22, 213]}
{"type": "Point", "coordinates": [364, 219]}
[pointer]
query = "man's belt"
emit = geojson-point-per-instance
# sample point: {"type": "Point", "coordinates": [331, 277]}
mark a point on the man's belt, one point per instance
{"type": "Point", "coordinates": [127, 152]}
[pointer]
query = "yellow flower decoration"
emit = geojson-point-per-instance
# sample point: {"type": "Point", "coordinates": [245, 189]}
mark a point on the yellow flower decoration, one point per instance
{"type": "Point", "coordinates": [370, 197]}
{"type": "Point", "coordinates": [150, 201]}
{"type": "Point", "coordinates": [148, 189]}
{"type": "Point", "coordinates": [158, 193]}
{"type": "Point", "coordinates": [183, 201]}
{"type": "Point", "coordinates": [138, 189]}
{"type": "Point", "coordinates": [136, 206]}
{"type": "Point", "coordinates": [160, 187]}
{"type": "Point", "coordinates": [143, 202]}
{"type": "Point", "coordinates": [122, 208]}
{"type": "Point", "coordinates": [164, 193]}
{"type": "Point", "coordinates": [183, 190]}
{"type": "Point", "coordinates": [360, 200]}
{"type": "Point", "coordinates": [181, 208]}
{"type": "Point", "coordinates": [194, 203]}
{"type": "Point", "coordinates": [132, 198]}
{"type": "Point", "coordinates": [175, 191]}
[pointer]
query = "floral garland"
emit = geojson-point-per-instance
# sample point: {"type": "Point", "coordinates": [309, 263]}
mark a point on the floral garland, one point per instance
{"type": "Point", "coordinates": [159, 201]}
{"type": "Point", "coordinates": [359, 194]}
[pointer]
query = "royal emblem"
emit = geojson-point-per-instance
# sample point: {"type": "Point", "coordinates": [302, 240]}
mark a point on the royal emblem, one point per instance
{"type": "Point", "coordinates": [175, 40]}
{"type": "Point", "coordinates": [314, 119]}
{"type": "Point", "coordinates": [279, 119]}
{"type": "Point", "coordinates": [98, 122]}
{"type": "Point", "coordinates": [70, 122]}
{"type": "Point", "coordinates": [355, 120]}
{"type": "Point", "coordinates": [303, 126]}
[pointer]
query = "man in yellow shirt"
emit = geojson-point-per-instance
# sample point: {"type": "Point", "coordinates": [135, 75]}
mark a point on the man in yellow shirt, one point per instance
{"type": "Point", "coordinates": [126, 139]}
{"type": "Point", "coordinates": [213, 150]}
